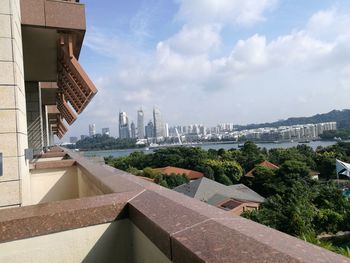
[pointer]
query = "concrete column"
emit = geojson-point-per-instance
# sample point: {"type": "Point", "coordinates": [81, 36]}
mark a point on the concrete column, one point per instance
{"type": "Point", "coordinates": [51, 136]}
{"type": "Point", "coordinates": [14, 183]}
{"type": "Point", "coordinates": [34, 117]}
{"type": "Point", "coordinates": [45, 123]}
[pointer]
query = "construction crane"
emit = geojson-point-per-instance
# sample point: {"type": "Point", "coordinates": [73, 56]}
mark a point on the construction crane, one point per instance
{"type": "Point", "coordinates": [178, 136]}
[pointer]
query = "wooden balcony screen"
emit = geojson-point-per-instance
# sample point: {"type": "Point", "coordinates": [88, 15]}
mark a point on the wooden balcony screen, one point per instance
{"type": "Point", "coordinates": [65, 110]}
{"type": "Point", "coordinates": [73, 82]}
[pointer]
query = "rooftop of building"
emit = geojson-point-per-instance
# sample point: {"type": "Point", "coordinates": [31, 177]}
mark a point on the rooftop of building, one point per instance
{"type": "Point", "coordinates": [265, 164]}
{"type": "Point", "coordinates": [213, 192]}
{"type": "Point", "coordinates": [190, 174]}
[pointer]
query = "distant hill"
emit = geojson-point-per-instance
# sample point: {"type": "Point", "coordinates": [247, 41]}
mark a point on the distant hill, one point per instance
{"type": "Point", "coordinates": [342, 117]}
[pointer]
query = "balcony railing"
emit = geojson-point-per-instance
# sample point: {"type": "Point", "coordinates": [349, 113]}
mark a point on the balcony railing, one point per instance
{"type": "Point", "coordinates": [125, 219]}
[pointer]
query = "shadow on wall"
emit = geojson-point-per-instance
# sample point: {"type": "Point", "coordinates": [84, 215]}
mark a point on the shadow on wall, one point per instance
{"type": "Point", "coordinates": [124, 242]}
{"type": "Point", "coordinates": [54, 185]}
{"type": "Point", "coordinates": [115, 244]}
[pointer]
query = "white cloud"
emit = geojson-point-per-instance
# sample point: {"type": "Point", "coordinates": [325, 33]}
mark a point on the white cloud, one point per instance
{"type": "Point", "coordinates": [195, 40]}
{"type": "Point", "coordinates": [234, 12]}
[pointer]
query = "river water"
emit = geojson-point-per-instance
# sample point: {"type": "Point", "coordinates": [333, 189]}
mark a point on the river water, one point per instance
{"type": "Point", "coordinates": [268, 146]}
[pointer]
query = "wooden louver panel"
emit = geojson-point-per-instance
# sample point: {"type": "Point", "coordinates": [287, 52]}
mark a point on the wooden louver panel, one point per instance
{"type": "Point", "coordinates": [61, 128]}
{"type": "Point", "coordinates": [65, 110]}
{"type": "Point", "coordinates": [73, 82]}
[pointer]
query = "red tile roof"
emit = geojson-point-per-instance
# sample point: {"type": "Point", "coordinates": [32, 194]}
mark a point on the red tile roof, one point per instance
{"type": "Point", "coordinates": [265, 164]}
{"type": "Point", "coordinates": [192, 175]}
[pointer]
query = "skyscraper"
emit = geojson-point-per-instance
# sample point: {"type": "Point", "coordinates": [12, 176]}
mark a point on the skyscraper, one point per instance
{"type": "Point", "coordinates": [149, 130]}
{"type": "Point", "coordinates": [92, 130]}
{"type": "Point", "coordinates": [166, 130]}
{"type": "Point", "coordinates": [140, 125]}
{"type": "Point", "coordinates": [158, 123]}
{"type": "Point", "coordinates": [124, 131]}
{"type": "Point", "coordinates": [105, 131]}
{"type": "Point", "coordinates": [133, 130]}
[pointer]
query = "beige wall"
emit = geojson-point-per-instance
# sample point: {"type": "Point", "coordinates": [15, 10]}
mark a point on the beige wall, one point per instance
{"type": "Point", "coordinates": [120, 241]}
{"type": "Point", "coordinates": [14, 184]}
{"type": "Point", "coordinates": [49, 185]}
{"type": "Point", "coordinates": [54, 185]}
{"type": "Point", "coordinates": [86, 187]}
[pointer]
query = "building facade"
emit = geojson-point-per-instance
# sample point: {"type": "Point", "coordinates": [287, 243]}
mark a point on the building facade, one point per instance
{"type": "Point", "coordinates": [133, 130]}
{"type": "Point", "coordinates": [92, 130]}
{"type": "Point", "coordinates": [149, 130]}
{"type": "Point", "coordinates": [158, 123]}
{"type": "Point", "coordinates": [140, 124]}
{"type": "Point", "coordinates": [124, 131]}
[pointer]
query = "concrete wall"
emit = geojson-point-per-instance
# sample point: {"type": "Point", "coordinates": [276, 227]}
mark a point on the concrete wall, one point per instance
{"type": "Point", "coordinates": [49, 185]}
{"type": "Point", "coordinates": [14, 184]}
{"type": "Point", "coordinates": [120, 241]}
{"type": "Point", "coordinates": [53, 185]}
{"type": "Point", "coordinates": [86, 187]}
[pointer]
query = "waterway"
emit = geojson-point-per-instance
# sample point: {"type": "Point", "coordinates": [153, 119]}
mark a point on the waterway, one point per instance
{"type": "Point", "coordinates": [268, 146]}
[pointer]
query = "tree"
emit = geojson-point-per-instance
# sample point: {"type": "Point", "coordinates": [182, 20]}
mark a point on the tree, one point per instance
{"type": "Point", "coordinates": [250, 156]}
{"type": "Point", "coordinates": [151, 173]}
{"type": "Point", "coordinates": [231, 169]}
{"type": "Point", "coordinates": [264, 181]}
{"type": "Point", "coordinates": [326, 165]}
{"type": "Point", "coordinates": [291, 212]}
{"type": "Point", "coordinates": [207, 171]}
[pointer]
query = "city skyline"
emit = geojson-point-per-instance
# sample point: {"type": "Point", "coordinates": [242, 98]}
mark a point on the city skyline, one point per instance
{"type": "Point", "coordinates": [279, 60]}
{"type": "Point", "coordinates": [169, 129]}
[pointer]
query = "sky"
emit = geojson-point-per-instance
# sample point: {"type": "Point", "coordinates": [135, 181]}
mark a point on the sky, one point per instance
{"type": "Point", "coordinates": [215, 61]}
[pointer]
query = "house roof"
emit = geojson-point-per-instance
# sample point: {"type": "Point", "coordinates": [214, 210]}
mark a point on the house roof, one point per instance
{"type": "Point", "coordinates": [265, 164]}
{"type": "Point", "coordinates": [192, 175]}
{"type": "Point", "coordinates": [212, 192]}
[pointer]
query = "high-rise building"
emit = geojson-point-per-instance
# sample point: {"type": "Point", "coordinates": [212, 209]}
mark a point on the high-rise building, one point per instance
{"type": "Point", "coordinates": [124, 131]}
{"type": "Point", "coordinates": [105, 131]}
{"type": "Point", "coordinates": [158, 123]}
{"type": "Point", "coordinates": [133, 130]}
{"type": "Point", "coordinates": [166, 130]}
{"type": "Point", "coordinates": [92, 130]}
{"type": "Point", "coordinates": [73, 139]}
{"type": "Point", "coordinates": [140, 124]}
{"type": "Point", "coordinates": [149, 130]}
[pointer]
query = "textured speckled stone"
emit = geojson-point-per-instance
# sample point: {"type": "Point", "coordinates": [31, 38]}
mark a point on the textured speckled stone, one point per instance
{"type": "Point", "coordinates": [160, 217]}
{"type": "Point", "coordinates": [212, 241]}
{"type": "Point", "coordinates": [42, 219]}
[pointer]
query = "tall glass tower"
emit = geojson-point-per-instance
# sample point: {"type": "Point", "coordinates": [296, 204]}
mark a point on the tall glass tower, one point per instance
{"type": "Point", "coordinates": [158, 123]}
{"type": "Point", "coordinates": [124, 131]}
{"type": "Point", "coordinates": [140, 124]}
{"type": "Point", "coordinates": [133, 130]}
{"type": "Point", "coordinates": [92, 130]}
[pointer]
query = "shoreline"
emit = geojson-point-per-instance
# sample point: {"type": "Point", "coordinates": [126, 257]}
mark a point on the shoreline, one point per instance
{"type": "Point", "coordinates": [206, 146]}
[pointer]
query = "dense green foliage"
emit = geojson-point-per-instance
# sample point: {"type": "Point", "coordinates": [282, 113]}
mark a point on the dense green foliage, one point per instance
{"type": "Point", "coordinates": [341, 117]}
{"type": "Point", "coordinates": [295, 203]}
{"type": "Point", "coordinates": [104, 142]}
